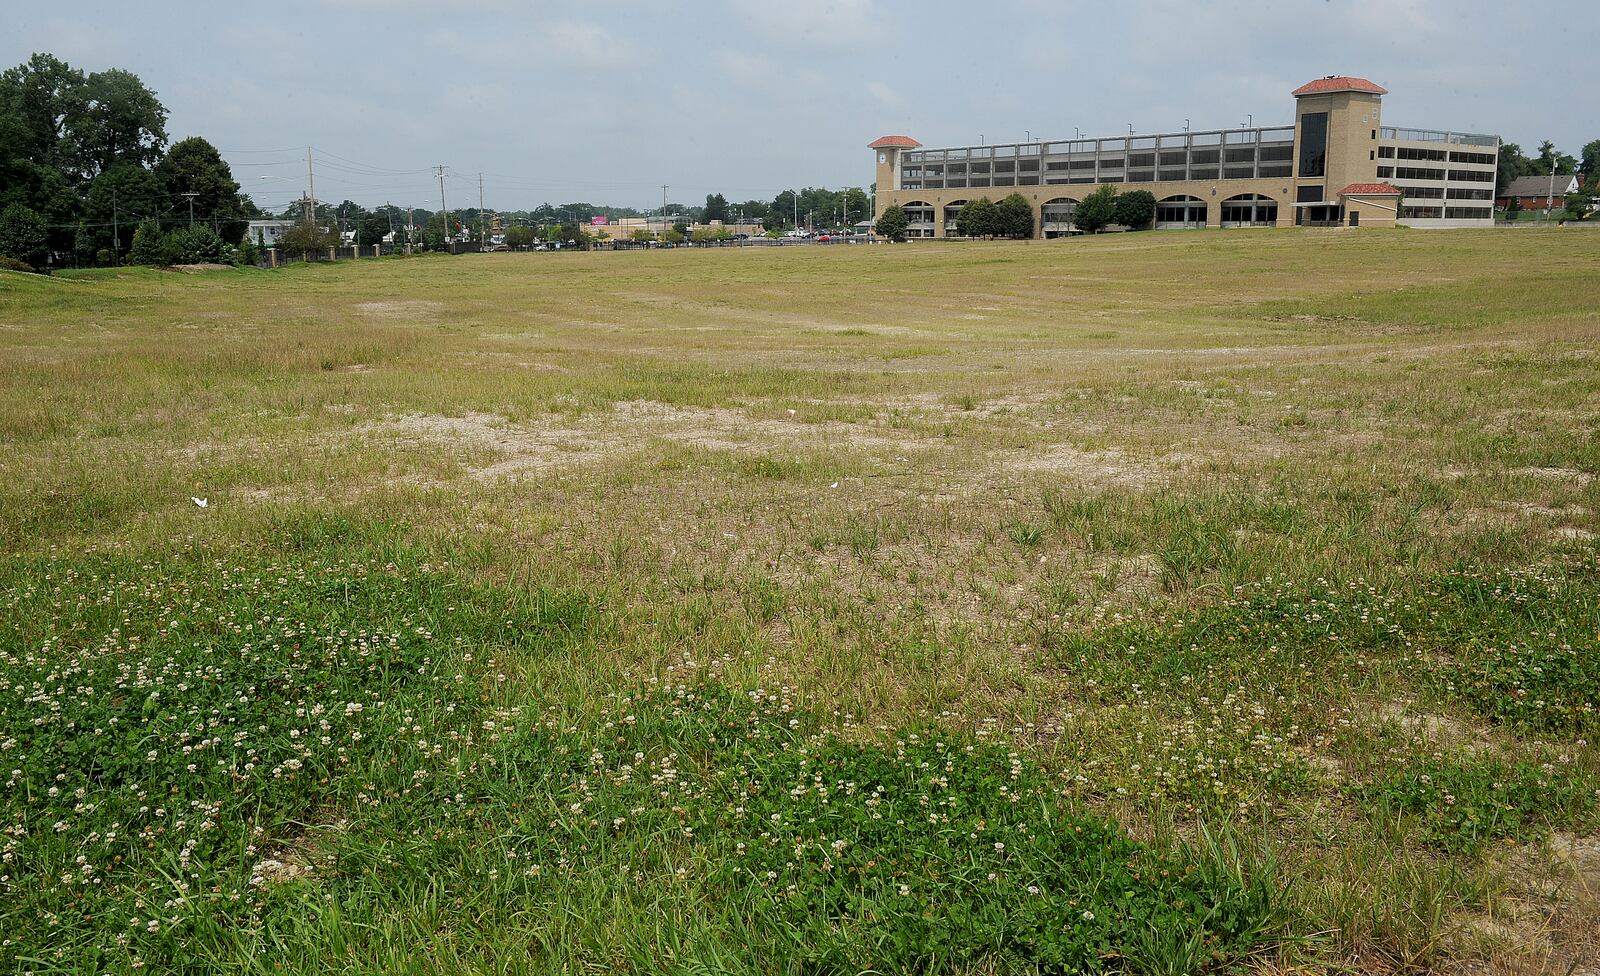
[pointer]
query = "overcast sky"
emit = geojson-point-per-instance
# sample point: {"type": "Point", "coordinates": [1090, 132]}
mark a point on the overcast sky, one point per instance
{"type": "Point", "coordinates": [604, 101]}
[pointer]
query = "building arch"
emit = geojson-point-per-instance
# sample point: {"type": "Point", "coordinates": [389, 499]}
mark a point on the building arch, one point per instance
{"type": "Point", "coordinates": [1055, 217]}
{"type": "Point", "coordinates": [919, 218]}
{"type": "Point", "coordinates": [1249, 210]}
{"type": "Point", "coordinates": [1180, 210]}
{"type": "Point", "coordinates": [951, 211]}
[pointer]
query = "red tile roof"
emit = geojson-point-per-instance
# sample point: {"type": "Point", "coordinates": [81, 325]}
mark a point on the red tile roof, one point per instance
{"type": "Point", "coordinates": [894, 142]}
{"type": "Point", "coordinates": [1339, 83]}
{"type": "Point", "coordinates": [1370, 190]}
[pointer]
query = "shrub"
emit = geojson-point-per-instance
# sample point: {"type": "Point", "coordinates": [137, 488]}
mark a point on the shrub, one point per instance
{"type": "Point", "coordinates": [196, 245]}
{"type": "Point", "coordinates": [22, 235]}
{"type": "Point", "coordinates": [302, 239]}
{"type": "Point", "coordinates": [104, 257]}
{"type": "Point", "coordinates": [12, 264]}
{"type": "Point", "coordinates": [148, 244]}
{"type": "Point", "coordinates": [892, 224]}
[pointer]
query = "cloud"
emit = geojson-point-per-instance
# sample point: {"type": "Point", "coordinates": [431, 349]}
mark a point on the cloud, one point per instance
{"type": "Point", "coordinates": [887, 96]}
{"type": "Point", "coordinates": [812, 24]}
{"type": "Point", "coordinates": [747, 69]}
{"type": "Point", "coordinates": [569, 43]}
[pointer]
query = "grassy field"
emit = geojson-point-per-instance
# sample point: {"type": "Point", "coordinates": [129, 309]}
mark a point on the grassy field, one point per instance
{"type": "Point", "coordinates": [1162, 603]}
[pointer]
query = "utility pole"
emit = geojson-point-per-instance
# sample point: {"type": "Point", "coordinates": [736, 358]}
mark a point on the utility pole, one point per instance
{"type": "Point", "coordinates": [311, 184]}
{"type": "Point", "coordinates": [663, 208]}
{"type": "Point", "coordinates": [481, 238]}
{"type": "Point", "coordinates": [190, 195]}
{"type": "Point", "coordinates": [796, 198]}
{"type": "Point", "coordinates": [116, 233]}
{"type": "Point", "coordinates": [411, 224]}
{"type": "Point", "coordinates": [444, 206]}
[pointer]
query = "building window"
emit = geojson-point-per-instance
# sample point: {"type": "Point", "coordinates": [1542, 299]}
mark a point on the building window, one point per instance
{"type": "Point", "coordinates": [1313, 144]}
{"type": "Point", "coordinates": [1385, 172]}
{"type": "Point", "coordinates": [1308, 194]}
{"type": "Point", "coordinates": [1387, 152]}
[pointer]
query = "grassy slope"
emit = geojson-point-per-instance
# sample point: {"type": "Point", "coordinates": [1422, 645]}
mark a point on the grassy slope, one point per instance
{"type": "Point", "coordinates": [1291, 531]}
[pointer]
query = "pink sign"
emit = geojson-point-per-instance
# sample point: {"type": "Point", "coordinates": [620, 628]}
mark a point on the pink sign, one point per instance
{"type": "Point", "coordinates": [597, 220]}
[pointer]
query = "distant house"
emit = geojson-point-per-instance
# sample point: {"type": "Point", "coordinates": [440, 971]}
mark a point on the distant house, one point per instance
{"type": "Point", "coordinates": [267, 232]}
{"type": "Point", "coordinates": [1538, 192]}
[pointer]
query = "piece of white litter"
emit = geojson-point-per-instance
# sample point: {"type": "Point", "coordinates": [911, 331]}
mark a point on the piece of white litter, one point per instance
{"type": "Point", "coordinates": [791, 413]}
{"type": "Point", "coordinates": [834, 485]}
{"type": "Point", "coordinates": [201, 502]}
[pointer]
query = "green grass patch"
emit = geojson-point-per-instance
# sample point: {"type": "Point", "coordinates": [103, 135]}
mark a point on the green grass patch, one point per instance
{"type": "Point", "coordinates": [318, 753]}
{"type": "Point", "coordinates": [1460, 806]}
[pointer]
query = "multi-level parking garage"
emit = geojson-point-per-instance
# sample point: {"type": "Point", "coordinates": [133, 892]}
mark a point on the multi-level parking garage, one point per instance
{"type": "Point", "coordinates": [1335, 165]}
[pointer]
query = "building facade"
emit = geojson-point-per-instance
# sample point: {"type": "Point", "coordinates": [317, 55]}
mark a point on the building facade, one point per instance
{"type": "Point", "coordinates": [1539, 192]}
{"type": "Point", "coordinates": [1336, 165]}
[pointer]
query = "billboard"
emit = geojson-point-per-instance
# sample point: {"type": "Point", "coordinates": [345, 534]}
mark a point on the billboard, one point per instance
{"type": "Point", "coordinates": [598, 221]}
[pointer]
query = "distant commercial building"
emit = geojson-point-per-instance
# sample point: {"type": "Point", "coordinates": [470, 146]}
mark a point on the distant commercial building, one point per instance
{"type": "Point", "coordinates": [1336, 165]}
{"type": "Point", "coordinates": [623, 228]}
{"type": "Point", "coordinates": [1538, 192]}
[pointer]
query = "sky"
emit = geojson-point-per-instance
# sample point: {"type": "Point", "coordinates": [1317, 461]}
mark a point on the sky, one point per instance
{"type": "Point", "coordinates": [607, 100]}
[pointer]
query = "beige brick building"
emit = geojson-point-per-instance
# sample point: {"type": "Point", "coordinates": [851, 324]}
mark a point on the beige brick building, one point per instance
{"type": "Point", "coordinates": [1335, 165]}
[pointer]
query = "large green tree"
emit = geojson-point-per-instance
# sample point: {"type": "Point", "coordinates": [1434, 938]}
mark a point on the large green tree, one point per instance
{"type": "Point", "coordinates": [22, 235]}
{"type": "Point", "coordinates": [1135, 209]}
{"type": "Point", "coordinates": [1589, 162]}
{"type": "Point", "coordinates": [121, 122]}
{"type": "Point", "coordinates": [857, 204]}
{"type": "Point", "coordinates": [81, 125]}
{"type": "Point", "coordinates": [193, 165]}
{"type": "Point", "coordinates": [1549, 157]}
{"type": "Point", "coordinates": [892, 224]}
{"type": "Point", "coordinates": [119, 198]}
{"type": "Point", "coordinates": [45, 97]}
{"type": "Point", "coordinates": [1015, 216]}
{"type": "Point", "coordinates": [978, 218]}
{"type": "Point", "coordinates": [374, 227]}
{"type": "Point", "coordinates": [716, 207]}
{"type": "Point", "coordinates": [1096, 211]}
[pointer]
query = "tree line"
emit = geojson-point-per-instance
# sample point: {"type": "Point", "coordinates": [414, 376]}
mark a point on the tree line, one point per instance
{"type": "Point", "coordinates": [1013, 216]}
{"type": "Point", "coordinates": [1514, 164]}
{"type": "Point", "coordinates": [86, 173]}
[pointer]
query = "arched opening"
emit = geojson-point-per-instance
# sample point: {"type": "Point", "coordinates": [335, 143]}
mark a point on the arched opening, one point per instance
{"type": "Point", "coordinates": [1056, 217]}
{"type": "Point", "coordinates": [952, 210]}
{"type": "Point", "coordinates": [1249, 210]}
{"type": "Point", "coordinates": [919, 218]}
{"type": "Point", "coordinates": [1180, 211]}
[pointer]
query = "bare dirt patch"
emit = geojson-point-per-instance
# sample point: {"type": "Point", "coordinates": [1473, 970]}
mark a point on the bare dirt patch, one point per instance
{"type": "Point", "coordinates": [399, 309]}
{"type": "Point", "coordinates": [1099, 467]}
{"type": "Point", "coordinates": [1557, 474]}
{"type": "Point", "coordinates": [630, 427]}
